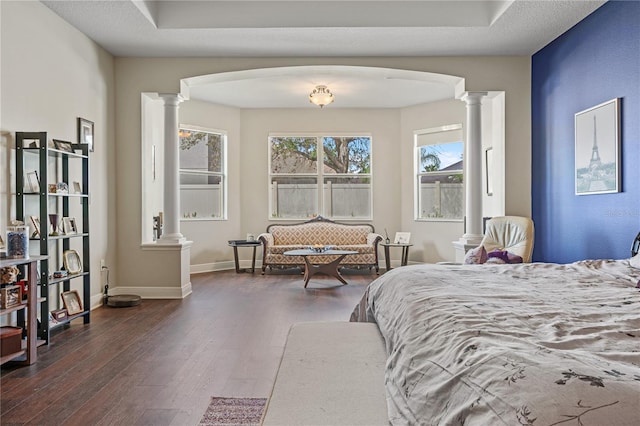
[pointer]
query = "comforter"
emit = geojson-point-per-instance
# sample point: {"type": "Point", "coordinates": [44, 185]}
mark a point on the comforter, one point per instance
{"type": "Point", "coordinates": [529, 344]}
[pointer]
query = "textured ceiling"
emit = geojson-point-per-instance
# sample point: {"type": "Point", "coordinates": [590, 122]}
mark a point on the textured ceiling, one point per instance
{"type": "Point", "coordinates": [326, 28]}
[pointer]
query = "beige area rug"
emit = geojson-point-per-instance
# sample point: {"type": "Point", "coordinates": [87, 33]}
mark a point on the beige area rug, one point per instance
{"type": "Point", "coordinates": [233, 411]}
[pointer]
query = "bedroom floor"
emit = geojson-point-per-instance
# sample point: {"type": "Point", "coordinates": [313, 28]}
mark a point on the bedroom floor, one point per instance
{"type": "Point", "coordinates": [161, 362]}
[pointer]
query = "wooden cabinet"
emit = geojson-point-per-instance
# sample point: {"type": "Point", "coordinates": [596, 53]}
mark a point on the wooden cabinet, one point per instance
{"type": "Point", "coordinates": [52, 182]}
{"type": "Point", "coordinates": [27, 352]}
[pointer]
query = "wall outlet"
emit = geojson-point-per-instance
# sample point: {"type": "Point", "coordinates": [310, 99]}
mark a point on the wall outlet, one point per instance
{"type": "Point", "coordinates": [103, 264]}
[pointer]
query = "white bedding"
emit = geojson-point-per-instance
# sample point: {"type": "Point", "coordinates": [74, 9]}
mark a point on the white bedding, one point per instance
{"type": "Point", "coordinates": [528, 344]}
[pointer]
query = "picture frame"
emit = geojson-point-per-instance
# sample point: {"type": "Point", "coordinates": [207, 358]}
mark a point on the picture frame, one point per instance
{"type": "Point", "coordinates": [69, 225]}
{"type": "Point", "coordinates": [33, 182]}
{"type": "Point", "coordinates": [488, 160]}
{"type": "Point", "coordinates": [77, 188]}
{"type": "Point", "coordinates": [35, 221]}
{"type": "Point", "coordinates": [10, 296]}
{"type": "Point", "coordinates": [63, 146]}
{"type": "Point", "coordinates": [402, 238]}
{"type": "Point", "coordinates": [31, 143]}
{"type": "Point", "coordinates": [71, 261]}
{"type": "Point", "coordinates": [85, 132]}
{"type": "Point", "coordinates": [72, 302]}
{"type": "Point", "coordinates": [597, 149]}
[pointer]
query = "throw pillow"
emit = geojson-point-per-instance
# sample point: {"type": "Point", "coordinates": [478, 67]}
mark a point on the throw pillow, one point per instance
{"type": "Point", "coordinates": [476, 256]}
{"type": "Point", "coordinates": [503, 256]}
{"type": "Point", "coordinates": [635, 261]}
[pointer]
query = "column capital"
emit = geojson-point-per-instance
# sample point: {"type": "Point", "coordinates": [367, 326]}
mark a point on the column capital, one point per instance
{"type": "Point", "coordinates": [473, 97]}
{"type": "Point", "coordinates": [173, 99]}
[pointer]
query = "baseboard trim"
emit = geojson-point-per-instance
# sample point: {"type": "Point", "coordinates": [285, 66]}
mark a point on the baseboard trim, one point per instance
{"type": "Point", "coordinates": [154, 292]}
{"type": "Point", "coordinates": [222, 266]}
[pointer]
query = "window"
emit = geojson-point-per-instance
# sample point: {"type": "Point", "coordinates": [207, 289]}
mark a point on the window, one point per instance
{"type": "Point", "coordinates": [326, 175]}
{"type": "Point", "coordinates": [203, 178]}
{"type": "Point", "coordinates": [439, 173]}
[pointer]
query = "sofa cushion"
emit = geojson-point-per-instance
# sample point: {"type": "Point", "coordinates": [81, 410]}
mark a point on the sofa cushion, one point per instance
{"type": "Point", "coordinates": [319, 233]}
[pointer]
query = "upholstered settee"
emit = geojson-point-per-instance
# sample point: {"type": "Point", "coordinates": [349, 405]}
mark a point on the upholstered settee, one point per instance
{"type": "Point", "coordinates": [280, 238]}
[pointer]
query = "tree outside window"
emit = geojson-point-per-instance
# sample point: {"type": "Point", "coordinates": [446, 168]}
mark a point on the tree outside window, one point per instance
{"type": "Point", "coordinates": [202, 174]}
{"type": "Point", "coordinates": [326, 175]}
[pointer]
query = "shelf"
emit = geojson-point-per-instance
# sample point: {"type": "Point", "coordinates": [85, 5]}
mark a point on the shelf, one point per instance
{"type": "Point", "coordinates": [21, 356]}
{"type": "Point", "coordinates": [56, 194]}
{"type": "Point", "coordinates": [62, 237]}
{"type": "Point", "coordinates": [57, 161]}
{"type": "Point", "coordinates": [57, 324]}
{"type": "Point", "coordinates": [13, 308]}
{"type": "Point", "coordinates": [56, 152]}
{"type": "Point", "coordinates": [67, 278]}
{"type": "Point", "coordinates": [14, 356]}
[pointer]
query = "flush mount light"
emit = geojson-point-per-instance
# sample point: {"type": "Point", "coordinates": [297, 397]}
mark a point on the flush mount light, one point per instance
{"type": "Point", "coordinates": [321, 96]}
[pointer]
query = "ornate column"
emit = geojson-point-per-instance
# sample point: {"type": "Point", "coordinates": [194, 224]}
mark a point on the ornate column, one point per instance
{"type": "Point", "coordinates": [472, 175]}
{"type": "Point", "coordinates": [171, 204]}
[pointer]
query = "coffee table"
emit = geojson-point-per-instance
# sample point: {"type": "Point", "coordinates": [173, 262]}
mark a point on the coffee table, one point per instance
{"type": "Point", "coordinates": [312, 269]}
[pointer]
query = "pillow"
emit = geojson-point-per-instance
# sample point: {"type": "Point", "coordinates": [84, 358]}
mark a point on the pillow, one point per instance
{"type": "Point", "coordinates": [635, 261]}
{"type": "Point", "coordinates": [503, 256]}
{"type": "Point", "coordinates": [476, 256]}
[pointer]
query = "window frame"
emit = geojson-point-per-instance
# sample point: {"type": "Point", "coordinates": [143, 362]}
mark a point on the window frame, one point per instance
{"type": "Point", "coordinates": [319, 175]}
{"type": "Point", "coordinates": [417, 174]}
{"type": "Point", "coordinates": [223, 174]}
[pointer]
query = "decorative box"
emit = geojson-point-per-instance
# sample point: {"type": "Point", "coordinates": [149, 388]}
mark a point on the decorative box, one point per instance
{"type": "Point", "coordinates": [10, 340]}
{"type": "Point", "coordinates": [59, 314]}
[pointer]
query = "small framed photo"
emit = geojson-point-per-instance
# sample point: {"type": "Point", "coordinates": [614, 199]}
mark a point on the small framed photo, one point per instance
{"type": "Point", "coordinates": [31, 143]}
{"type": "Point", "coordinates": [35, 221]}
{"type": "Point", "coordinates": [71, 261]}
{"type": "Point", "coordinates": [10, 295]}
{"type": "Point", "coordinates": [69, 225]}
{"type": "Point", "coordinates": [72, 302]}
{"type": "Point", "coordinates": [402, 238]}
{"type": "Point", "coordinates": [77, 188]}
{"type": "Point", "coordinates": [63, 145]}
{"type": "Point", "coordinates": [85, 132]}
{"type": "Point", "coordinates": [33, 182]}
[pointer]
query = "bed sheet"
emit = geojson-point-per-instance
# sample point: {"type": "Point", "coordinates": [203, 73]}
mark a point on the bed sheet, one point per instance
{"type": "Point", "coordinates": [529, 344]}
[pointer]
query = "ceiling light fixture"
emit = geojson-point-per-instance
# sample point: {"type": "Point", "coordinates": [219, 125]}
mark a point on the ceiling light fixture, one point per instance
{"type": "Point", "coordinates": [321, 96]}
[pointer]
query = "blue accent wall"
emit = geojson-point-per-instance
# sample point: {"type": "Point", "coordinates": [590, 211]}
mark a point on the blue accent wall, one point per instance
{"type": "Point", "coordinates": [595, 61]}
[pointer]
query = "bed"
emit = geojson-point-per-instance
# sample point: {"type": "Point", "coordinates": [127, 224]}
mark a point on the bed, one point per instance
{"type": "Point", "coordinates": [526, 344]}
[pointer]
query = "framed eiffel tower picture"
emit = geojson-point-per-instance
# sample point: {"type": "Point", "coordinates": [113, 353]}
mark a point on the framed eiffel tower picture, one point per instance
{"type": "Point", "coordinates": [597, 133]}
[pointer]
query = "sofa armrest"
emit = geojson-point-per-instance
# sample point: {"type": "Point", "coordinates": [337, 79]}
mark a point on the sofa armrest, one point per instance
{"type": "Point", "coordinates": [373, 239]}
{"type": "Point", "coordinates": [266, 239]}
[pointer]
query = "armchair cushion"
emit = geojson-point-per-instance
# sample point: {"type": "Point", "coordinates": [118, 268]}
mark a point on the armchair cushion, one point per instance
{"type": "Point", "coordinates": [514, 234]}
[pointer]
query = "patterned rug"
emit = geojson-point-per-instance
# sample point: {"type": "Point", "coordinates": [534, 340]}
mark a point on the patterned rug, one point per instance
{"type": "Point", "coordinates": [233, 411]}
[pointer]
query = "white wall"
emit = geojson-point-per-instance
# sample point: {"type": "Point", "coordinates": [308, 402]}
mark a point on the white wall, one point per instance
{"type": "Point", "coordinates": [432, 240]}
{"type": "Point", "coordinates": [210, 250]}
{"type": "Point", "coordinates": [382, 124]}
{"type": "Point", "coordinates": [52, 74]}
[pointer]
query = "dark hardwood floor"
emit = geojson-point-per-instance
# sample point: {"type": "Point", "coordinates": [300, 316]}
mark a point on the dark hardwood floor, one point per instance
{"type": "Point", "coordinates": [160, 363]}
